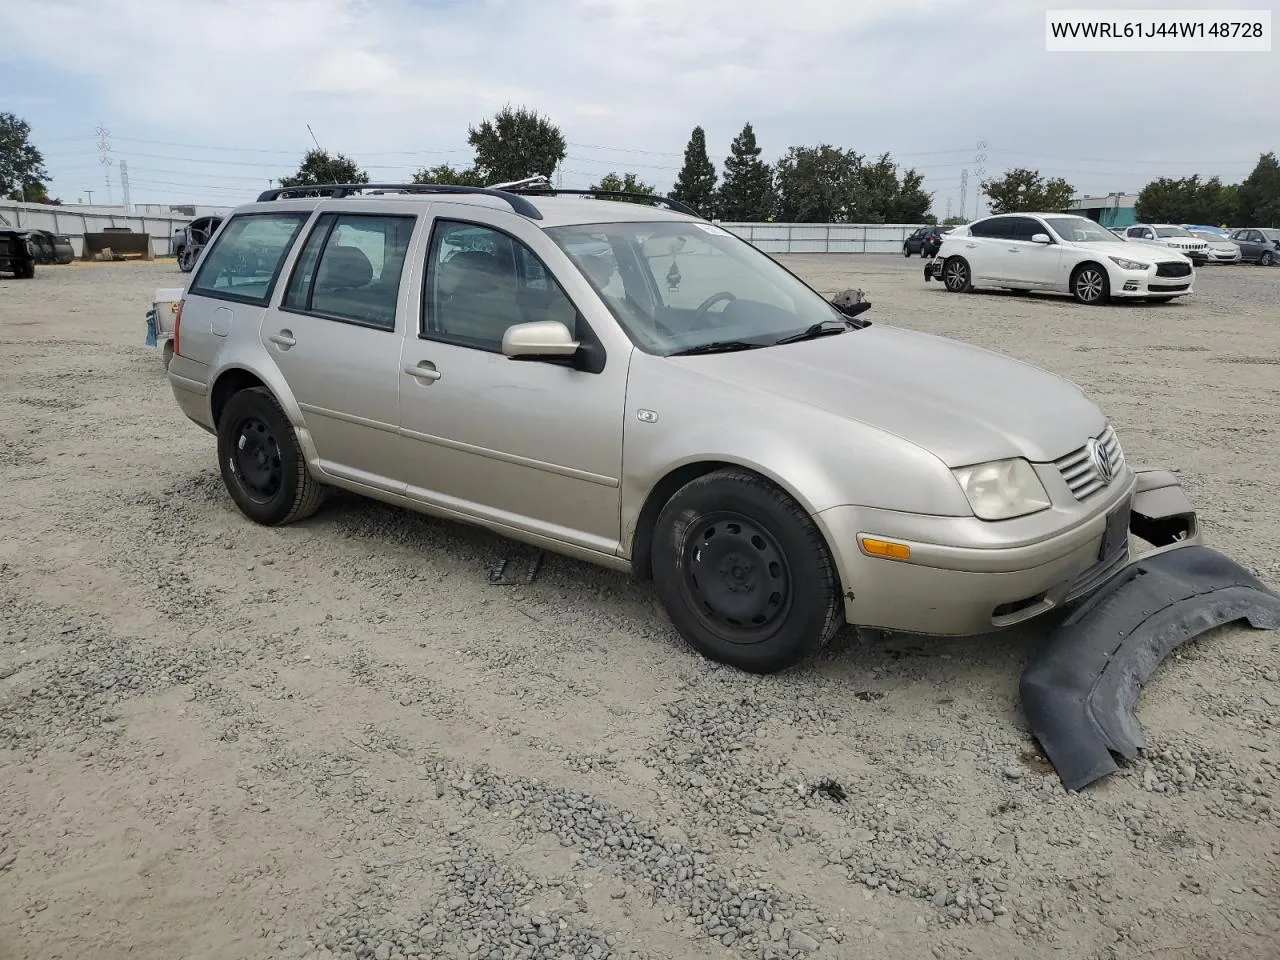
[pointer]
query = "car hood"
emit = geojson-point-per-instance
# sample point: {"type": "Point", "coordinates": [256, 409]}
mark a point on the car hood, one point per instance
{"type": "Point", "coordinates": [1146, 248]}
{"type": "Point", "coordinates": [961, 403]}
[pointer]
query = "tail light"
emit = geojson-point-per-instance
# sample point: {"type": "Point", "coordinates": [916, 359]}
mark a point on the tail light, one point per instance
{"type": "Point", "coordinates": [177, 329]}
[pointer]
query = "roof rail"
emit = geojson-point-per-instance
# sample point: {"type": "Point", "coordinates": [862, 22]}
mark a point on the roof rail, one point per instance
{"type": "Point", "coordinates": [676, 205]}
{"type": "Point", "coordinates": [338, 190]}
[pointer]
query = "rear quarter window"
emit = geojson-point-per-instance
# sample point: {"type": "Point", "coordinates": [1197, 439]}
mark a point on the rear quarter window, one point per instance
{"type": "Point", "coordinates": [245, 260]}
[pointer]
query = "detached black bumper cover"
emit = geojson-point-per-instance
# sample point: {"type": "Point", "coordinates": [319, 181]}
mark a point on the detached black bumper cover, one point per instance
{"type": "Point", "coordinates": [1079, 694]}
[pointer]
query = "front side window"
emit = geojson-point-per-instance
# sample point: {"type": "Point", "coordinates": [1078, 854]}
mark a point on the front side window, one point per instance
{"type": "Point", "coordinates": [350, 268]}
{"type": "Point", "coordinates": [677, 285]}
{"type": "Point", "coordinates": [480, 281]}
{"type": "Point", "coordinates": [1082, 230]}
{"type": "Point", "coordinates": [245, 260]}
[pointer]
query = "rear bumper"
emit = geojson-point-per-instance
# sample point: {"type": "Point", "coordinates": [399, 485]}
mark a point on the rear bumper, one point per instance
{"type": "Point", "coordinates": [187, 380]}
{"type": "Point", "coordinates": [953, 589]}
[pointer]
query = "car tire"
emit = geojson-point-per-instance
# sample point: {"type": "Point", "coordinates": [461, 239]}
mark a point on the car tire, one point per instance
{"type": "Point", "coordinates": [1267, 258]}
{"type": "Point", "coordinates": [956, 275]}
{"type": "Point", "coordinates": [744, 573]}
{"type": "Point", "coordinates": [1090, 284]}
{"type": "Point", "coordinates": [186, 260]}
{"type": "Point", "coordinates": [262, 463]}
{"type": "Point", "coordinates": [906, 251]}
{"type": "Point", "coordinates": [25, 270]}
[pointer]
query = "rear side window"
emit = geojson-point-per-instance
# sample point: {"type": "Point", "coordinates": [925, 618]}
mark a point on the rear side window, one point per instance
{"type": "Point", "coordinates": [244, 262]}
{"type": "Point", "coordinates": [999, 228]}
{"type": "Point", "coordinates": [350, 268]}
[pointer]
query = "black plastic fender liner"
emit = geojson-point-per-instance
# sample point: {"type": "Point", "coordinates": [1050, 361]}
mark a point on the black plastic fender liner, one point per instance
{"type": "Point", "coordinates": [1079, 693]}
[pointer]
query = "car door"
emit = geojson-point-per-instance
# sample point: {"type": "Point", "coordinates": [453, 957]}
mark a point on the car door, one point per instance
{"type": "Point", "coordinates": [525, 444]}
{"type": "Point", "coordinates": [336, 337]}
{"type": "Point", "coordinates": [1252, 244]}
{"type": "Point", "coordinates": [988, 249]}
{"type": "Point", "coordinates": [1033, 265]}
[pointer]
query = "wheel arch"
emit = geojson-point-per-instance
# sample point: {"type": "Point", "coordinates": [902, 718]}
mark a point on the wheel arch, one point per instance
{"type": "Point", "coordinates": [680, 474]}
{"type": "Point", "coordinates": [235, 377]}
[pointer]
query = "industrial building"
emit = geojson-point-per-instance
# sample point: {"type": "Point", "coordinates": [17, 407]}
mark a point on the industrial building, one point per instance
{"type": "Point", "coordinates": [1110, 210]}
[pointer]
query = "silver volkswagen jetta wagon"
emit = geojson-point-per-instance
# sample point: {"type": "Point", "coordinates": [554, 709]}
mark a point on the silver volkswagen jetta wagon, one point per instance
{"type": "Point", "coordinates": [636, 387]}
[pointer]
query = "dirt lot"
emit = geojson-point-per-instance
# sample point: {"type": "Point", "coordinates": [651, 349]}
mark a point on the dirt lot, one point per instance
{"type": "Point", "coordinates": [336, 739]}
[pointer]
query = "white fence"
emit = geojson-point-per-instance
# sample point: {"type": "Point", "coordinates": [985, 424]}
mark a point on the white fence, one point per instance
{"type": "Point", "coordinates": [824, 237]}
{"type": "Point", "coordinates": [75, 221]}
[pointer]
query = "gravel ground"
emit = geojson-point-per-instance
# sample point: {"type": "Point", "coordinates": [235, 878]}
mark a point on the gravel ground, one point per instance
{"type": "Point", "coordinates": [338, 740]}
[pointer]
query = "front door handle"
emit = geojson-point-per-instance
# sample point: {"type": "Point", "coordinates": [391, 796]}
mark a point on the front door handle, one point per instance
{"type": "Point", "coordinates": [425, 371]}
{"type": "Point", "coordinates": [284, 338]}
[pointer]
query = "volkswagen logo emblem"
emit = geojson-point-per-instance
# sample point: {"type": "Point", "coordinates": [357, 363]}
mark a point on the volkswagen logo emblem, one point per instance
{"type": "Point", "coordinates": [1100, 461]}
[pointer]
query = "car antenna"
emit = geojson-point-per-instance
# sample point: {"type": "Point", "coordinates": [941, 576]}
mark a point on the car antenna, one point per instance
{"type": "Point", "coordinates": [321, 149]}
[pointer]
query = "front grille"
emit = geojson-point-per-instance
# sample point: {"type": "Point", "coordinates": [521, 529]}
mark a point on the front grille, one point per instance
{"type": "Point", "coordinates": [1077, 467]}
{"type": "Point", "coordinates": [1173, 269]}
{"type": "Point", "coordinates": [1168, 287]}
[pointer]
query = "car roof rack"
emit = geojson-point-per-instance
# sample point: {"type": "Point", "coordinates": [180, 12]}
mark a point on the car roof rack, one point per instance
{"type": "Point", "coordinates": [540, 185]}
{"type": "Point", "coordinates": [338, 190]}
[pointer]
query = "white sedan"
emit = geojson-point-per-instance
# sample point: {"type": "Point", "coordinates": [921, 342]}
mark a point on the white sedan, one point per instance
{"type": "Point", "coordinates": [1058, 253]}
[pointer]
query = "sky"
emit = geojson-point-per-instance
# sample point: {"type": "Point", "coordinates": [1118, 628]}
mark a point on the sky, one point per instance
{"type": "Point", "coordinates": [207, 101]}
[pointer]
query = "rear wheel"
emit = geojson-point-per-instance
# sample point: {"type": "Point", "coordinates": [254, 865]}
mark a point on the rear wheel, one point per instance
{"type": "Point", "coordinates": [262, 462]}
{"type": "Point", "coordinates": [744, 574]}
{"type": "Point", "coordinates": [956, 276]}
{"type": "Point", "coordinates": [1090, 285]}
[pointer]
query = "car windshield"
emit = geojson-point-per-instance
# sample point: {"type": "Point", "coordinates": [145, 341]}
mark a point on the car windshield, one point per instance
{"type": "Point", "coordinates": [1172, 232]}
{"type": "Point", "coordinates": [1206, 235]}
{"type": "Point", "coordinates": [677, 286]}
{"type": "Point", "coordinates": [1080, 230]}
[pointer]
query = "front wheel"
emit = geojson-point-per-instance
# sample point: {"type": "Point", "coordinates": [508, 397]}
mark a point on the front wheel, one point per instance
{"type": "Point", "coordinates": [25, 270]}
{"type": "Point", "coordinates": [906, 251]}
{"type": "Point", "coordinates": [744, 574]}
{"type": "Point", "coordinates": [956, 276]}
{"type": "Point", "coordinates": [262, 462]}
{"type": "Point", "coordinates": [1090, 285]}
{"type": "Point", "coordinates": [186, 259]}
{"type": "Point", "coordinates": [1267, 258]}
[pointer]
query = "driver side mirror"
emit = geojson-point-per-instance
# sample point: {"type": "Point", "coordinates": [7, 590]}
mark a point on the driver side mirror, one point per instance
{"type": "Point", "coordinates": [1041, 238]}
{"type": "Point", "coordinates": [540, 340]}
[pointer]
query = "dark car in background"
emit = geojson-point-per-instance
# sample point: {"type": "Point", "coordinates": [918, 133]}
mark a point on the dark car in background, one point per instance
{"type": "Point", "coordinates": [1258, 244]}
{"type": "Point", "coordinates": [925, 241]}
{"type": "Point", "coordinates": [21, 250]}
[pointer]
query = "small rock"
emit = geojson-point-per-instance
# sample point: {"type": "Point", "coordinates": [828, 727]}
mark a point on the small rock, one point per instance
{"type": "Point", "coordinates": [801, 941]}
{"type": "Point", "coordinates": [1013, 773]}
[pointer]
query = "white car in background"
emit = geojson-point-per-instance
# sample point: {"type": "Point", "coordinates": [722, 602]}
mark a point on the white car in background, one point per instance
{"type": "Point", "coordinates": [1058, 253]}
{"type": "Point", "coordinates": [1172, 236]}
{"type": "Point", "coordinates": [1221, 250]}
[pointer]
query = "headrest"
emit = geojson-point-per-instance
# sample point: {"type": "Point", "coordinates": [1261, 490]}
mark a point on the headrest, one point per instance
{"type": "Point", "coordinates": [344, 267]}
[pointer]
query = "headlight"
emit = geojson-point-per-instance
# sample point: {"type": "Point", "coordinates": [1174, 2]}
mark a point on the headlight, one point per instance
{"type": "Point", "coordinates": [1124, 264]}
{"type": "Point", "coordinates": [1002, 489]}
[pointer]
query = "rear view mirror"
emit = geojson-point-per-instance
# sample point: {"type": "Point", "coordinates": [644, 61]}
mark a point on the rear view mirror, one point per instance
{"type": "Point", "coordinates": [1041, 238]}
{"type": "Point", "coordinates": [538, 340]}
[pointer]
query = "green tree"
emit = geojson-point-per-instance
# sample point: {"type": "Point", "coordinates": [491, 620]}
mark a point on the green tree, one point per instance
{"type": "Point", "coordinates": [1021, 189]}
{"type": "Point", "coordinates": [627, 183]}
{"type": "Point", "coordinates": [443, 173]}
{"type": "Point", "coordinates": [747, 193]}
{"type": "Point", "coordinates": [912, 203]}
{"type": "Point", "coordinates": [955, 221]}
{"type": "Point", "coordinates": [817, 184]}
{"type": "Point", "coordinates": [515, 144]}
{"type": "Point", "coordinates": [319, 167]}
{"type": "Point", "coordinates": [1260, 194]}
{"type": "Point", "coordinates": [21, 163]}
{"type": "Point", "coordinates": [696, 184]}
{"type": "Point", "coordinates": [1188, 200]}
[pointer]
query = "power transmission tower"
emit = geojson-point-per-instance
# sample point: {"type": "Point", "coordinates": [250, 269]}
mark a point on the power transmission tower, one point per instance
{"type": "Point", "coordinates": [104, 158]}
{"type": "Point", "coordinates": [948, 208]}
{"type": "Point", "coordinates": [124, 186]}
{"type": "Point", "coordinates": [979, 169]}
{"type": "Point", "coordinates": [964, 190]}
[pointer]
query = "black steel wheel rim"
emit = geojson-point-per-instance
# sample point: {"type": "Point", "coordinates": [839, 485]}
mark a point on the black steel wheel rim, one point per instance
{"type": "Point", "coordinates": [957, 275]}
{"type": "Point", "coordinates": [736, 577]}
{"type": "Point", "coordinates": [255, 459]}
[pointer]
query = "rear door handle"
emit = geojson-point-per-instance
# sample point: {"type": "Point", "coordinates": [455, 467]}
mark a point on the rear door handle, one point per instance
{"type": "Point", "coordinates": [284, 338]}
{"type": "Point", "coordinates": [425, 371]}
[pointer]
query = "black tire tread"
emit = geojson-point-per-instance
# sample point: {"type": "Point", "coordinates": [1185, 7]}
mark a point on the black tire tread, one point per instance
{"type": "Point", "coordinates": [309, 494]}
{"type": "Point", "coordinates": [829, 588]}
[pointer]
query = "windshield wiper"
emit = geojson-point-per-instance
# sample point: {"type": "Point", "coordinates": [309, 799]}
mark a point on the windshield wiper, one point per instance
{"type": "Point", "coordinates": [824, 328]}
{"type": "Point", "coordinates": [718, 346]}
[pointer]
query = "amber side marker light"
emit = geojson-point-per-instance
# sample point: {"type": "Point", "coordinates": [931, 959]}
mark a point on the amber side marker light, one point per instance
{"type": "Point", "coordinates": [885, 548]}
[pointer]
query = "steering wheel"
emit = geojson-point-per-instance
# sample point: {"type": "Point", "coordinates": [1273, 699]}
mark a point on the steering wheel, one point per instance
{"type": "Point", "coordinates": [707, 304]}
